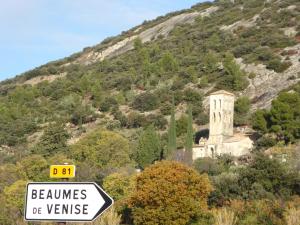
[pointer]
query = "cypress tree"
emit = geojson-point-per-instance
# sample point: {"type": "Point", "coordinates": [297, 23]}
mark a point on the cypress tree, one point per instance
{"type": "Point", "coordinates": [189, 139]}
{"type": "Point", "coordinates": [172, 132]}
{"type": "Point", "coordinates": [149, 148]}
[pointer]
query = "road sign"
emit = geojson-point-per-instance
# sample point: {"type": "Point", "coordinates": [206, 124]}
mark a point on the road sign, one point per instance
{"type": "Point", "coordinates": [62, 171]}
{"type": "Point", "coordinates": [65, 201]}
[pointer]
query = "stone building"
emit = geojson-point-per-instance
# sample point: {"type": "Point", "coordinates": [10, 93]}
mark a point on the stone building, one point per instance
{"type": "Point", "coordinates": [222, 138]}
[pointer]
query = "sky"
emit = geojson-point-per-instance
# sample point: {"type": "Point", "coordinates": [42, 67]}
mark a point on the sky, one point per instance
{"type": "Point", "coordinates": [34, 32]}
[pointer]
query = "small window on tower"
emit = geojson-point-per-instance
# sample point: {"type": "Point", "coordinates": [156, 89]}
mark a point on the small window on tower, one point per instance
{"type": "Point", "coordinates": [215, 103]}
{"type": "Point", "coordinates": [220, 117]}
{"type": "Point", "coordinates": [214, 117]}
{"type": "Point", "coordinates": [220, 103]}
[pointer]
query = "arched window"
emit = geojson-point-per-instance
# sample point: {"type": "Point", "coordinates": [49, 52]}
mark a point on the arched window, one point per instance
{"type": "Point", "coordinates": [212, 152]}
{"type": "Point", "coordinates": [220, 102]}
{"type": "Point", "coordinates": [215, 103]}
{"type": "Point", "coordinates": [214, 117]}
{"type": "Point", "coordinates": [220, 117]}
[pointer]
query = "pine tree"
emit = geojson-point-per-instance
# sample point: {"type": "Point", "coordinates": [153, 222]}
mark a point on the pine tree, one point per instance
{"type": "Point", "coordinates": [172, 132]}
{"type": "Point", "coordinates": [189, 139]}
{"type": "Point", "coordinates": [149, 148]}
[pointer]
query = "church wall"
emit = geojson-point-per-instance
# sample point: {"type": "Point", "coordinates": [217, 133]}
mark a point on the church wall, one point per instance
{"type": "Point", "coordinates": [198, 152]}
{"type": "Point", "coordinates": [239, 148]}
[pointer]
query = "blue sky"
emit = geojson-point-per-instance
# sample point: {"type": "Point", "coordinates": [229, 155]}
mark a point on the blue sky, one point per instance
{"type": "Point", "coordinates": [34, 32]}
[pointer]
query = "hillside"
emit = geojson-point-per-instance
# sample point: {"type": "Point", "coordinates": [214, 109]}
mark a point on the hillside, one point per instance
{"type": "Point", "coordinates": [183, 53]}
{"type": "Point", "coordinates": [137, 98]}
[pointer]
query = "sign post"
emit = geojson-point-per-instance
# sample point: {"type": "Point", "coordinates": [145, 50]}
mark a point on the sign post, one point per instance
{"type": "Point", "coordinates": [65, 201]}
{"type": "Point", "coordinates": [62, 171]}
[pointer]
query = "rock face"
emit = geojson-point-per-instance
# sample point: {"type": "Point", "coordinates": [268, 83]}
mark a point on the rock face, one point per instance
{"type": "Point", "coordinates": [162, 29]}
{"type": "Point", "coordinates": [242, 23]}
{"type": "Point", "coordinates": [262, 89]}
{"type": "Point", "coordinates": [267, 83]}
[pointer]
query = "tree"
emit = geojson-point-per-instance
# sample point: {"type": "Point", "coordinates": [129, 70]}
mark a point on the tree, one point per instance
{"type": "Point", "coordinates": [54, 140]}
{"type": "Point", "coordinates": [172, 132]}
{"type": "Point", "coordinates": [283, 119]}
{"type": "Point", "coordinates": [207, 165]}
{"type": "Point", "coordinates": [149, 148]}
{"type": "Point", "coordinates": [285, 114]}
{"type": "Point", "coordinates": [234, 78]}
{"type": "Point", "coordinates": [120, 186]}
{"type": "Point", "coordinates": [266, 177]}
{"type": "Point", "coordinates": [169, 193]}
{"type": "Point", "coordinates": [189, 139]}
{"type": "Point", "coordinates": [168, 63]}
{"type": "Point", "coordinates": [145, 102]}
{"type": "Point", "coordinates": [181, 125]}
{"type": "Point", "coordinates": [35, 167]}
{"type": "Point", "coordinates": [102, 148]}
{"type": "Point", "coordinates": [259, 121]}
{"type": "Point", "coordinates": [241, 110]}
{"type": "Point", "coordinates": [14, 196]}
{"type": "Point", "coordinates": [138, 44]}
{"type": "Point", "coordinates": [10, 173]}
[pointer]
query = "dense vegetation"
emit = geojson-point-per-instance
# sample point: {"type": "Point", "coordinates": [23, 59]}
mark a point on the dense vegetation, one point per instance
{"type": "Point", "coordinates": [127, 113]}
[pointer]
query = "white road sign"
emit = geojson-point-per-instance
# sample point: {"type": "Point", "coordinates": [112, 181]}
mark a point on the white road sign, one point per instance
{"type": "Point", "coordinates": [65, 201]}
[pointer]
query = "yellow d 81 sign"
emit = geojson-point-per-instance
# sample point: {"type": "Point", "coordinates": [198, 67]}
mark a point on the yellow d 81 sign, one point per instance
{"type": "Point", "coordinates": [62, 171]}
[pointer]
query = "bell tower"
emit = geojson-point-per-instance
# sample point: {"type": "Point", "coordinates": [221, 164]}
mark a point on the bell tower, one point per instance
{"type": "Point", "coordinates": [220, 120]}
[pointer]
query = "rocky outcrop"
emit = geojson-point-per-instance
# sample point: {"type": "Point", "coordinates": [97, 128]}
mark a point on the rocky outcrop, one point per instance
{"type": "Point", "coordinates": [242, 23]}
{"type": "Point", "coordinates": [267, 83]}
{"type": "Point", "coordinates": [39, 79]}
{"type": "Point", "coordinates": [162, 29]}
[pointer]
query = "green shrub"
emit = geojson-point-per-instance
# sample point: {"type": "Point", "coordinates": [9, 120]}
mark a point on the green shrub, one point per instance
{"type": "Point", "coordinates": [157, 121]}
{"type": "Point", "coordinates": [136, 120]}
{"type": "Point", "coordinates": [241, 111]}
{"type": "Point", "coordinates": [192, 96]}
{"type": "Point", "coordinates": [107, 103]}
{"type": "Point", "coordinates": [278, 66]}
{"type": "Point", "coordinates": [166, 108]}
{"type": "Point", "coordinates": [145, 102]}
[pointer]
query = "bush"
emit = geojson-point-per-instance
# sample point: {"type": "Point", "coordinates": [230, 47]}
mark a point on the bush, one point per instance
{"type": "Point", "coordinates": [234, 78]}
{"type": "Point", "coordinates": [278, 66]}
{"type": "Point", "coordinates": [54, 140]}
{"type": "Point", "coordinates": [105, 149]}
{"type": "Point", "coordinates": [145, 102]}
{"type": "Point", "coordinates": [157, 121]}
{"type": "Point", "coordinates": [192, 96]}
{"type": "Point", "coordinates": [107, 103]}
{"type": "Point", "coordinates": [178, 188]}
{"type": "Point", "coordinates": [166, 108]}
{"type": "Point", "coordinates": [241, 110]}
{"type": "Point", "coordinates": [244, 49]}
{"type": "Point", "coordinates": [135, 120]}
{"type": "Point", "coordinates": [207, 165]}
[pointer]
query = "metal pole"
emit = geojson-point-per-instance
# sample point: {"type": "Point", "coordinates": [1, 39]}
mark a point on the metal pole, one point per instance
{"type": "Point", "coordinates": [64, 179]}
{"type": "Point", "coordinates": [61, 223]}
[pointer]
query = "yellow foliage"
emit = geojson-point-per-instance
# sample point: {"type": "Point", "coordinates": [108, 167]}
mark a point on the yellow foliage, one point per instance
{"type": "Point", "coordinates": [169, 193]}
{"type": "Point", "coordinates": [120, 187]}
{"type": "Point", "coordinates": [14, 195]}
{"type": "Point", "coordinates": [292, 216]}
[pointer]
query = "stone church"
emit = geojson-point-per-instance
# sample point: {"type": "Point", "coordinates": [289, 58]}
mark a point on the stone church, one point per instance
{"type": "Point", "coordinates": [222, 139]}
